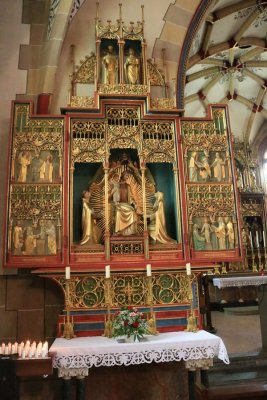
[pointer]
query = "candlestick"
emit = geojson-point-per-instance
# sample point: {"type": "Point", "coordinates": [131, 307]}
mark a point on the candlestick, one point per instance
{"type": "Point", "coordinates": [191, 319]}
{"type": "Point", "coordinates": [107, 271]}
{"type": "Point", "coordinates": [263, 236]}
{"type": "Point", "coordinates": [108, 330]}
{"type": "Point", "coordinates": [68, 332]}
{"type": "Point", "coordinates": [250, 237]}
{"type": "Point", "coordinates": [67, 272]}
{"type": "Point", "coordinates": [152, 324]}
{"type": "Point", "coordinates": [188, 269]}
{"type": "Point", "coordinates": [148, 270]}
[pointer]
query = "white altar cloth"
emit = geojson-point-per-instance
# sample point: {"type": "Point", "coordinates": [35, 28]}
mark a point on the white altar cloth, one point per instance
{"type": "Point", "coordinates": [99, 351]}
{"type": "Point", "coordinates": [239, 281]}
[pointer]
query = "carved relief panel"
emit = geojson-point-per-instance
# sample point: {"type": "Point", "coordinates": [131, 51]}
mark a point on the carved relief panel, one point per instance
{"type": "Point", "coordinates": [35, 196]}
{"type": "Point", "coordinates": [211, 201]}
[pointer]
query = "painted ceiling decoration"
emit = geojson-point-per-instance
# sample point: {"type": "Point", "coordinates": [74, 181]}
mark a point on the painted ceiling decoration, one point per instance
{"type": "Point", "coordinates": [52, 13]}
{"type": "Point", "coordinates": [75, 8]}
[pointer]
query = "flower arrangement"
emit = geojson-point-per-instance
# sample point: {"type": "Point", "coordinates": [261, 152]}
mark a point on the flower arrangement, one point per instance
{"type": "Point", "coordinates": [130, 322]}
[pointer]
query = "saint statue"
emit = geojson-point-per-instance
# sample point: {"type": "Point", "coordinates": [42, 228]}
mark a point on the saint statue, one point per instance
{"type": "Point", "coordinates": [30, 241]}
{"type": "Point", "coordinates": [125, 208]}
{"type": "Point", "coordinates": [204, 166]}
{"type": "Point", "coordinates": [51, 237]}
{"type": "Point", "coordinates": [46, 169]}
{"type": "Point", "coordinates": [218, 166]}
{"type": "Point", "coordinates": [157, 227]}
{"type": "Point", "coordinates": [18, 238]}
{"type": "Point", "coordinates": [110, 63]}
{"type": "Point", "coordinates": [207, 230]}
{"type": "Point", "coordinates": [230, 234]}
{"type": "Point", "coordinates": [198, 239]}
{"type": "Point", "coordinates": [91, 232]}
{"type": "Point", "coordinates": [220, 233]}
{"type": "Point", "coordinates": [131, 67]}
{"type": "Point", "coordinates": [24, 160]}
{"type": "Point", "coordinates": [193, 167]}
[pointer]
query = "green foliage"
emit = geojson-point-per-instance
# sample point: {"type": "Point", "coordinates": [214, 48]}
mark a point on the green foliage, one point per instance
{"type": "Point", "coordinates": [130, 322]}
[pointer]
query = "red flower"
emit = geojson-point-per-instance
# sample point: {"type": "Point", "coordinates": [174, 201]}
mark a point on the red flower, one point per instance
{"type": "Point", "coordinates": [130, 308]}
{"type": "Point", "coordinates": [135, 324]}
{"type": "Point", "coordinates": [126, 322]}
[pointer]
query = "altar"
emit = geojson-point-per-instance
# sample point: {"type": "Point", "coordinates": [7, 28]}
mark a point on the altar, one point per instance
{"type": "Point", "coordinates": [74, 358]}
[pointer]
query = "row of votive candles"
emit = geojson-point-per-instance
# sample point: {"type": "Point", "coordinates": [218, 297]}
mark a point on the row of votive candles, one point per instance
{"type": "Point", "coordinates": [25, 350]}
{"type": "Point", "coordinates": [148, 270]}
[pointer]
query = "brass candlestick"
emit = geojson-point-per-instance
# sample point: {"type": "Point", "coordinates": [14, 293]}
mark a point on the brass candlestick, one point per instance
{"type": "Point", "coordinates": [68, 332]}
{"type": "Point", "coordinates": [261, 267]}
{"type": "Point", "coordinates": [191, 319]}
{"type": "Point", "coordinates": [265, 258]}
{"type": "Point", "coordinates": [254, 266]}
{"type": "Point", "coordinates": [108, 322]}
{"type": "Point", "coordinates": [152, 324]}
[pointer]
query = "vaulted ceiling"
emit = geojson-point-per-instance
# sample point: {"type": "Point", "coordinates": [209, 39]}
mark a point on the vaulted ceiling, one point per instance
{"type": "Point", "coordinates": [228, 64]}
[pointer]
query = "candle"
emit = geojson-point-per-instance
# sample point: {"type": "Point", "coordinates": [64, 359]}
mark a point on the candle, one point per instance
{"type": "Point", "coordinates": [257, 239]}
{"type": "Point", "coordinates": [67, 273]}
{"type": "Point", "coordinates": [188, 269]}
{"type": "Point", "coordinates": [250, 237]}
{"type": "Point", "coordinates": [107, 271]}
{"type": "Point", "coordinates": [148, 270]}
{"type": "Point", "coordinates": [263, 235]}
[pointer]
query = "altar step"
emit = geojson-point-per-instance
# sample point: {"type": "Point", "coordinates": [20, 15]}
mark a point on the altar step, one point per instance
{"type": "Point", "coordinates": [91, 322]}
{"type": "Point", "coordinates": [245, 378]}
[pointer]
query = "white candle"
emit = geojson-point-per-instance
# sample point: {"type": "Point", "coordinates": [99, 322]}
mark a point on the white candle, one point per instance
{"type": "Point", "coordinates": [257, 239]}
{"type": "Point", "coordinates": [250, 237]}
{"type": "Point", "coordinates": [107, 271]}
{"type": "Point", "coordinates": [188, 269]}
{"type": "Point", "coordinates": [263, 235]}
{"type": "Point", "coordinates": [19, 350]}
{"type": "Point", "coordinates": [67, 273]}
{"type": "Point", "coordinates": [148, 270]}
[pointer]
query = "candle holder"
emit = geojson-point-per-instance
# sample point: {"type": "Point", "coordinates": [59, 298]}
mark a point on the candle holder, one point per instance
{"type": "Point", "coordinates": [191, 319]}
{"type": "Point", "coordinates": [224, 270]}
{"type": "Point", "coordinates": [261, 266]}
{"type": "Point", "coordinates": [265, 258]}
{"type": "Point", "coordinates": [216, 270]}
{"type": "Point", "coordinates": [68, 331]}
{"type": "Point", "coordinates": [108, 331]}
{"type": "Point", "coordinates": [254, 266]}
{"type": "Point", "coordinates": [152, 324]}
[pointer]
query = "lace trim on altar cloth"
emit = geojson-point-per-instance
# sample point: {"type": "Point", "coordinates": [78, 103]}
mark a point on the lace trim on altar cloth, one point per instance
{"type": "Point", "coordinates": [240, 281]}
{"type": "Point", "coordinates": [79, 373]}
{"type": "Point", "coordinates": [141, 357]}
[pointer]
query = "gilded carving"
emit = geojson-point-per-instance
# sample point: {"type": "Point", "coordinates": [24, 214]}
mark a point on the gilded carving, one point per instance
{"type": "Point", "coordinates": [139, 90]}
{"type": "Point", "coordinates": [217, 199]}
{"type": "Point", "coordinates": [162, 103]}
{"type": "Point", "coordinates": [82, 102]}
{"type": "Point", "coordinates": [86, 71]}
{"type": "Point", "coordinates": [128, 289]}
{"type": "Point", "coordinates": [155, 76]}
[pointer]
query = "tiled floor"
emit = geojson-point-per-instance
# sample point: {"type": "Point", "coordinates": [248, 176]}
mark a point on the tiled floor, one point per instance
{"type": "Point", "coordinates": [240, 333]}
